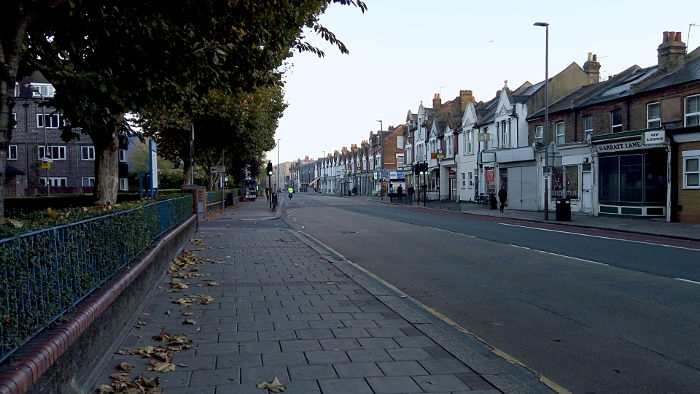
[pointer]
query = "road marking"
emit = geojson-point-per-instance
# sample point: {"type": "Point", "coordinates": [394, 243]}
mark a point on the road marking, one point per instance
{"type": "Point", "coordinates": [687, 280]}
{"type": "Point", "coordinates": [498, 352]}
{"type": "Point", "coordinates": [599, 236]}
{"type": "Point", "coordinates": [561, 255]}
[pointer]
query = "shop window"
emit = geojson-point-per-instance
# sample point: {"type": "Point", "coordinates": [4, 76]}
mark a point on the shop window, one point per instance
{"type": "Point", "coordinates": [565, 182]}
{"type": "Point", "coordinates": [609, 185]}
{"type": "Point", "coordinates": [692, 111]}
{"type": "Point", "coordinates": [616, 121]}
{"type": "Point", "coordinates": [691, 169]}
{"type": "Point", "coordinates": [631, 178]}
{"type": "Point", "coordinates": [653, 115]}
{"type": "Point", "coordinates": [655, 177]}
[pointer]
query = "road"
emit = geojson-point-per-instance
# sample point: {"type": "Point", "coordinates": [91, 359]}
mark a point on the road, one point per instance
{"type": "Point", "coordinates": [592, 310]}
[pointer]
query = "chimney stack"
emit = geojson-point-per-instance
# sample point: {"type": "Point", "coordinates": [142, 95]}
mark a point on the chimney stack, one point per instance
{"type": "Point", "coordinates": [671, 52]}
{"type": "Point", "coordinates": [465, 96]}
{"type": "Point", "coordinates": [592, 68]}
{"type": "Point", "coordinates": [436, 100]}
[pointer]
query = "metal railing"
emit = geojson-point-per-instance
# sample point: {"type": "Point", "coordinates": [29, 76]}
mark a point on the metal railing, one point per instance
{"type": "Point", "coordinates": [45, 273]}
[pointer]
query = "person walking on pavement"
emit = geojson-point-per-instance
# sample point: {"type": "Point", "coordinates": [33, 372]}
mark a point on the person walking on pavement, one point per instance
{"type": "Point", "coordinates": [502, 197]}
{"type": "Point", "coordinates": [411, 191]}
{"type": "Point", "coordinates": [267, 193]}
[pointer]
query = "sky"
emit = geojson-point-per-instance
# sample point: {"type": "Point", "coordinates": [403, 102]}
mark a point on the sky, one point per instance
{"type": "Point", "coordinates": [402, 52]}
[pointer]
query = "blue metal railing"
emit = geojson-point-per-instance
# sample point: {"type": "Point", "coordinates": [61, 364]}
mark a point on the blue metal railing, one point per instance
{"type": "Point", "coordinates": [45, 273]}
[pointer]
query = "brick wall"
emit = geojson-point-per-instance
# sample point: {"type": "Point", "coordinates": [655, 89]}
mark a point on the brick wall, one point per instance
{"type": "Point", "coordinates": [688, 199]}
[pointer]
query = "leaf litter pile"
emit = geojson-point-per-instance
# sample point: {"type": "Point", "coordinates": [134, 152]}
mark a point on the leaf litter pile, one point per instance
{"type": "Point", "coordinates": [182, 267]}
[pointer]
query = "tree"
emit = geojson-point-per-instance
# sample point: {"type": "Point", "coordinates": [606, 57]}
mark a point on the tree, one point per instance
{"type": "Point", "coordinates": [110, 57]}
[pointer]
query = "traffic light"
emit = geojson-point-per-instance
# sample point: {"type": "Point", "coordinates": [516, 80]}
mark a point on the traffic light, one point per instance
{"type": "Point", "coordinates": [269, 168]}
{"type": "Point", "coordinates": [416, 168]}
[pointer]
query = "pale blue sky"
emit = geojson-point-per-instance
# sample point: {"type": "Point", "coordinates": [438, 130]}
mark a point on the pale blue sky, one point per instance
{"type": "Point", "coordinates": [404, 51]}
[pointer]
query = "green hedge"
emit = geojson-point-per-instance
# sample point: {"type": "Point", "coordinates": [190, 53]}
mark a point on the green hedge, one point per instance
{"type": "Point", "coordinates": [46, 272]}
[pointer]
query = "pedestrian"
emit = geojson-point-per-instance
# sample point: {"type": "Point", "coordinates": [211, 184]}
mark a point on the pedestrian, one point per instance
{"type": "Point", "coordinates": [399, 189]}
{"type": "Point", "coordinates": [391, 188]}
{"type": "Point", "coordinates": [267, 193]}
{"type": "Point", "coordinates": [411, 191]}
{"type": "Point", "coordinates": [502, 197]}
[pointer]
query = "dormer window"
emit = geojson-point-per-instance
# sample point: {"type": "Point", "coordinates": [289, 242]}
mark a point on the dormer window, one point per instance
{"type": "Point", "coordinates": [42, 90]}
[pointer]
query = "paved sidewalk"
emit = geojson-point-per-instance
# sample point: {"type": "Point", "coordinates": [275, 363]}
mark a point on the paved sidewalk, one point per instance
{"type": "Point", "coordinates": [282, 306]}
{"type": "Point", "coordinates": [644, 226]}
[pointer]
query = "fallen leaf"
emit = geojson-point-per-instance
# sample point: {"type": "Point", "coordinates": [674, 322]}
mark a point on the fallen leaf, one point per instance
{"type": "Point", "coordinates": [213, 283]}
{"type": "Point", "coordinates": [189, 321]}
{"type": "Point", "coordinates": [187, 313]}
{"type": "Point", "coordinates": [105, 388]}
{"type": "Point", "coordinates": [275, 386]}
{"type": "Point", "coordinates": [330, 283]}
{"type": "Point", "coordinates": [126, 367]}
{"type": "Point", "coordinates": [159, 366]}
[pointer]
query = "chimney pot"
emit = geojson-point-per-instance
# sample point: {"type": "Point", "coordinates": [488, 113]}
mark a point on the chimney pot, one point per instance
{"type": "Point", "coordinates": [678, 36]}
{"type": "Point", "coordinates": [595, 57]}
{"type": "Point", "coordinates": [665, 36]}
{"type": "Point", "coordinates": [590, 56]}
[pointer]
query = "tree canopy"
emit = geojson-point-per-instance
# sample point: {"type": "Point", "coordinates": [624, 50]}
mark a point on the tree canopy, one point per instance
{"type": "Point", "coordinates": [110, 57]}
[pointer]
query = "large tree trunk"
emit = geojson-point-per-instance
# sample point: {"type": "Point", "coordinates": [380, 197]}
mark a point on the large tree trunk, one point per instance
{"type": "Point", "coordinates": [106, 167]}
{"type": "Point", "coordinates": [10, 53]}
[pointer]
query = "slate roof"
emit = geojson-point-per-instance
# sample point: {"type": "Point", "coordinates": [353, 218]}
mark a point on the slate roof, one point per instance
{"type": "Point", "coordinates": [689, 72]}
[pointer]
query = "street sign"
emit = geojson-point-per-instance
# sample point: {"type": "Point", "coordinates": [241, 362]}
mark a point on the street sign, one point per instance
{"type": "Point", "coordinates": [45, 164]}
{"type": "Point", "coordinates": [218, 169]}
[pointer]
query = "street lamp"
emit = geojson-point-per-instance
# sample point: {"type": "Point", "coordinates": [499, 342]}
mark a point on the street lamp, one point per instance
{"type": "Point", "coordinates": [546, 117]}
{"type": "Point", "coordinates": [37, 90]}
{"type": "Point", "coordinates": [278, 163]}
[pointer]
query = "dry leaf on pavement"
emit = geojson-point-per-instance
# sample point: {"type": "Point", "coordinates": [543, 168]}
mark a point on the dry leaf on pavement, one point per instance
{"type": "Point", "coordinates": [275, 386]}
{"type": "Point", "coordinates": [126, 367]}
{"type": "Point", "coordinates": [159, 366]}
{"type": "Point", "coordinates": [189, 321]}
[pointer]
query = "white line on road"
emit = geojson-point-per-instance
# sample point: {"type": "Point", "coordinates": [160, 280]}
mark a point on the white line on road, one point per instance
{"type": "Point", "coordinates": [687, 280]}
{"type": "Point", "coordinates": [598, 236]}
{"type": "Point", "coordinates": [561, 255]}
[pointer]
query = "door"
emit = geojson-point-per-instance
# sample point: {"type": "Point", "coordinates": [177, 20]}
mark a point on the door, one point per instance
{"type": "Point", "coordinates": [586, 196]}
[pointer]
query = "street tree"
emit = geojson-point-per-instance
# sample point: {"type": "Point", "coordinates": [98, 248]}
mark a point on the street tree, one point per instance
{"type": "Point", "coordinates": [110, 57]}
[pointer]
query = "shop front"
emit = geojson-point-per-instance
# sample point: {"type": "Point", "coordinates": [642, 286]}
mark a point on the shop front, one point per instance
{"type": "Point", "coordinates": [632, 171]}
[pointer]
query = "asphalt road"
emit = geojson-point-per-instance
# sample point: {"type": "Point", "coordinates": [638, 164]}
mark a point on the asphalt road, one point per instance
{"type": "Point", "coordinates": [594, 312]}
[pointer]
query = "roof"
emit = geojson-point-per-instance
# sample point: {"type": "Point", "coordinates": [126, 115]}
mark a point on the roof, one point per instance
{"type": "Point", "coordinates": [689, 72]}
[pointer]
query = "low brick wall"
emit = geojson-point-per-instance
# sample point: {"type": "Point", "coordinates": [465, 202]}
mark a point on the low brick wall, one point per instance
{"type": "Point", "coordinates": [63, 359]}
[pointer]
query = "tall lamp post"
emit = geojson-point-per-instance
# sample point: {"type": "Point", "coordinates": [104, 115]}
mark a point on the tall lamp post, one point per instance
{"type": "Point", "coordinates": [46, 143]}
{"type": "Point", "coordinates": [278, 163]}
{"type": "Point", "coordinates": [546, 117]}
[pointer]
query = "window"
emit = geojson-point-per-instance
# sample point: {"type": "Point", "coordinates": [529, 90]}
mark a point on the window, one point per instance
{"type": "Point", "coordinates": [52, 120]}
{"type": "Point", "coordinates": [399, 160]}
{"type": "Point", "coordinates": [505, 135]}
{"type": "Point", "coordinates": [539, 132]}
{"type": "Point", "coordinates": [124, 184]}
{"type": "Point", "coordinates": [55, 181]}
{"type": "Point", "coordinates": [470, 140]}
{"type": "Point", "coordinates": [565, 182]}
{"type": "Point", "coordinates": [87, 152]}
{"type": "Point", "coordinates": [88, 181]}
{"type": "Point", "coordinates": [122, 155]}
{"type": "Point", "coordinates": [691, 169]}
{"type": "Point", "coordinates": [588, 125]}
{"type": "Point", "coordinates": [653, 115]}
{"type": "Point", "coordinates": [450, 146]}
{"type": "Point", "coordinates": [633, 178]}
{"type": "Point", "coordinates": [561, 136]}
{"type": "Point", "coordinates": [692, 111]}
{"type": "Point", "coordinates": [471, 179]}
{"type": "Point", "coordinates": [464, 179]}
{"type": "Point", "coordinates": [12, 152]}
{"type": "Point", "coordinates": [42, 90]}
{"type": "Point", "coordinates": [616, 121]}
{"type": "Point", "coordinates": [55, 153]}
{"type": "Point", "coordinates": [399, 142]}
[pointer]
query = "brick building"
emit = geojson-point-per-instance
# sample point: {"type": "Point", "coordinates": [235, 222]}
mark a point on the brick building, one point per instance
{"type": "Point", "coordinates": [37, 157]}
{"type": "Point", "coordinates": [627, 146]}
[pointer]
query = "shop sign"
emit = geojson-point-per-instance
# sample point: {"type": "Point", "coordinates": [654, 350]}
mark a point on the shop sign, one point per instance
{"type": "Point", "coordinates": [489, 175]}
{"type": "Point", "coordinates": [624, 146]}
{"type": "Point", "coordinates": [440, 154]}
{"type": "Point", "coordinates": [654, 137]}
{"type": "Point", "coordinates": [453, 174]}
